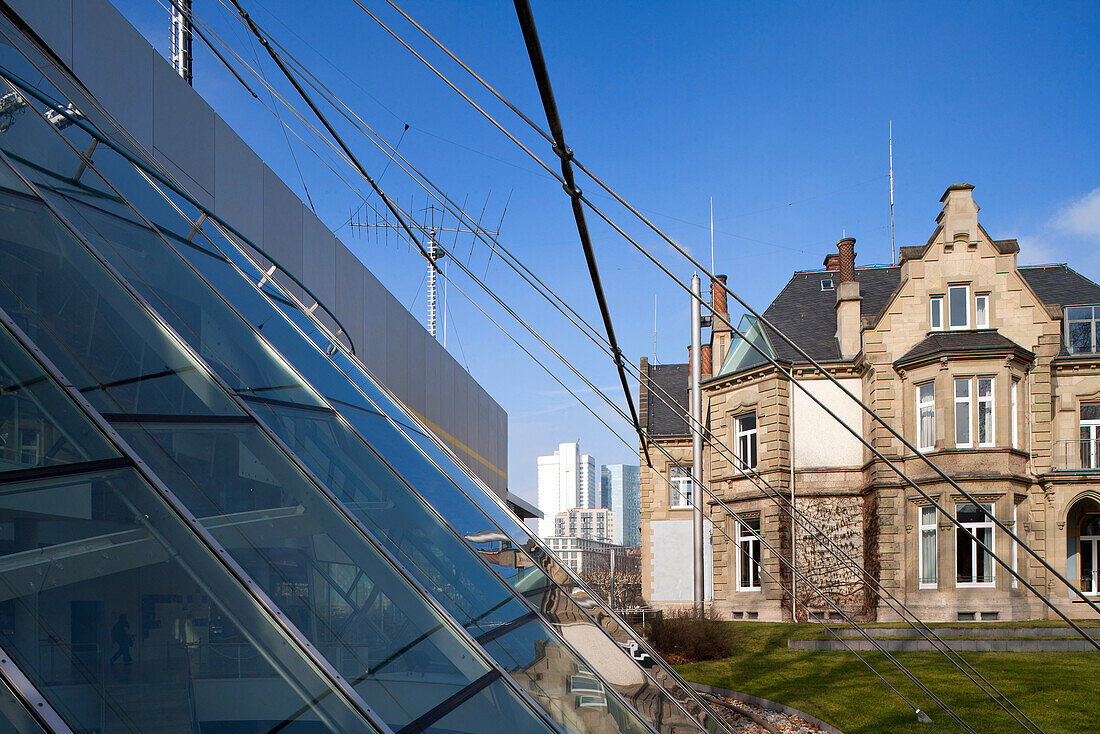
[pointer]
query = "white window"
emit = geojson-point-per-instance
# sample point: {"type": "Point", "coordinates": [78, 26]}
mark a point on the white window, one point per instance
{"type": "Point", "coordinates": [748, 556]}
{"type": "Point", "coordinates": [958, 305]}
{"type": "Point", "coordinates": [1019, 532]}
{"type": "Point", "coordinates": [986, 427]}
{"type": "Point", "coordinates": [936, 316]}
{"type": "Point", "coordinates": [929, 552]}
{"type": "Point", "coordinates": [680, 486]}
{"type": "Point", "coordinates": [974, 564]}
{"type": "Point", "coordinates": [962, 412]}
{"type": "Point", "coordinates": [1090, 554]}
{"type": "Point", "coordinates": [1090, 436]}
{"type": "Point", "coordinates": [981, 311]}
{"type": "Point", "coordinates": [926, 416]}
{"type": "Point", "coordinates": [1014, 397]}
{"type": "Point", "coordinates": [746, 441]}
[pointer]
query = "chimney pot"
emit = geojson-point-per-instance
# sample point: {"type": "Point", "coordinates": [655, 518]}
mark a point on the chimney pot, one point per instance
{"type": "Point", "coordinates": [718, 300]}
{"type": "Point", "coordinates": [846, 259]}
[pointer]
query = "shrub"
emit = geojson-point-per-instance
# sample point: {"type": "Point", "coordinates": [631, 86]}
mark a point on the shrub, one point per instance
{"type": "Point", "coordinates": [682, 638]}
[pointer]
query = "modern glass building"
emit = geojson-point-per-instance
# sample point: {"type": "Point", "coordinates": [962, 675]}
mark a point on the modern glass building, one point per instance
{"type": "Point", "coordinates": [213, 518]}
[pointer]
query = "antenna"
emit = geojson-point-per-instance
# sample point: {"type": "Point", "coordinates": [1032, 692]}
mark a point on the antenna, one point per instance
{"type": "Point", "coordinates": [181, 38]}
{"type": "Point", "coordinates": [712, 234]}
{"type": "Point", "coordinates": [893, 259]}
{"type": "Point", "coordinates": [431, 229]}
{"type": "Point", "coordinates": [655, 328]}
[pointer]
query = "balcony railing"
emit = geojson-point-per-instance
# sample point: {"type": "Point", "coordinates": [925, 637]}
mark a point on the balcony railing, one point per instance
{"type": "Point", "coordinates": [1077, 455]}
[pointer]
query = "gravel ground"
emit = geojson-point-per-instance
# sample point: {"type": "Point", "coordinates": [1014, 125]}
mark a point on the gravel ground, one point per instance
{"type": "Point", "coordinates": [779, 721]}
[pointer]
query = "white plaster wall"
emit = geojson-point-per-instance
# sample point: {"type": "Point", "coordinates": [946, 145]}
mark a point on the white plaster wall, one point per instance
{"type": "Point", "coordinates": [671, 546]}
{"type": "Point", "coordinates": [819, 440]}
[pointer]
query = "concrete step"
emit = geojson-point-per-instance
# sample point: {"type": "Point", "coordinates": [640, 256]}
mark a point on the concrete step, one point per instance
{"type": "Point", "coordinates": [960, 645]}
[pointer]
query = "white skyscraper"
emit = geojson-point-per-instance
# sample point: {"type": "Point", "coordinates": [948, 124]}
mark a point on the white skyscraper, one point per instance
{"type": "Point", "coordinates": [566, 480]}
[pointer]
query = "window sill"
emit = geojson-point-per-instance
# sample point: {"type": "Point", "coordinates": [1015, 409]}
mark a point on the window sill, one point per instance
{"type": "Point", "coordinates": [757, 589]}
{"type": "Point", "coordinates": [928, 587]}
{"type": "Point", "coordinates": [962, 585]}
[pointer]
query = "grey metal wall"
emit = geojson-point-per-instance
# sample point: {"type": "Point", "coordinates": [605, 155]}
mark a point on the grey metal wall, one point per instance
{"type": "Point", "coordinates": [171, 121]}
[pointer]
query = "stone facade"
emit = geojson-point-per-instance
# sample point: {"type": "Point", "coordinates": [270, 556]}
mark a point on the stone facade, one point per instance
{"type": "Point", "coordinates": [963, 353]}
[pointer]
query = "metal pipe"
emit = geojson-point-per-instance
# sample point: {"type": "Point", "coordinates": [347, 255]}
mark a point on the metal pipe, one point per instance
{"type": "Point", "coordinates": [698, 586]}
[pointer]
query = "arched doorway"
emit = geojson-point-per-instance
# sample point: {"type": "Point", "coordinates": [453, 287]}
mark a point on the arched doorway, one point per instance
{"type": "Point", "coordinates": [1083, 536]}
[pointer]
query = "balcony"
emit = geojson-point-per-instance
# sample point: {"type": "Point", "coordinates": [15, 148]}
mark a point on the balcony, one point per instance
{"type": "Point", "coordinates": [1077, 455]}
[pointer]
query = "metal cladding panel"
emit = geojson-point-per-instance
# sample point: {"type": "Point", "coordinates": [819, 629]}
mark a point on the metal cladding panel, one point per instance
{"type": "Point", "coordinates": [433, 390]}
{"type": "Point", "coordinates": [374, 344]}
{"type": "Point", "coordinates": [319, 255]}
{"type": "Point", "coordinates": [116, 64]}
{"type": "Point", "coordinates": [53, 22]}
{"type": "Point", "coordinates": [349, 293]}
{"type": "Point", "coordinates": [398, 323]}
{"type": "Point", "coordinates": [238, 182]}
{"type": "Point", "coordinates": [282, 225]}
{"type": "Point", "coordinates": [448, 368]}
{"type": "Point", "coordinates": [183, 126]}
{"type": "Point", "coordinates": [418, 347]}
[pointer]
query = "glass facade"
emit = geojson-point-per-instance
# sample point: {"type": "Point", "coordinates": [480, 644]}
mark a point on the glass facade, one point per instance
{"type": "Point", "coordinates": [261, 520]}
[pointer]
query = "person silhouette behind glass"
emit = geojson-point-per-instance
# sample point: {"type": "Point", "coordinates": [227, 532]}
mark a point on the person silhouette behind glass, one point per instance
{"type": "Point", "coordinates": [120, 635]}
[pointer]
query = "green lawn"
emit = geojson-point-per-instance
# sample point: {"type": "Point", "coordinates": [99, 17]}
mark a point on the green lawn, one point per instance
{"type": "Point", "coordinates": [1060, 692]}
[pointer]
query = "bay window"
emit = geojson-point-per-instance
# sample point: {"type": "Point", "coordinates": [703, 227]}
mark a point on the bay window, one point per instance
{"type": "Point", "coordinates": [1082, 329]}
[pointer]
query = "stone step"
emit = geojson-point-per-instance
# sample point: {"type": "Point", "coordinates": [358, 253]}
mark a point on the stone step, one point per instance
{"type": "Point", "coordinates": [965, 631]}
{"type": "Point", "coordinates": [960, 645]}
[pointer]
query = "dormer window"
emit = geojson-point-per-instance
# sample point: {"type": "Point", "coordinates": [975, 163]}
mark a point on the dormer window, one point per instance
{"type": "Point", "coordinates": [827, 284]}
{"type": "Point", "coordinates": [958, 303]}
{"type": "Point", "coordinates": [981, 311]}
{"type": "Point", "coordinates": [1083, 329]}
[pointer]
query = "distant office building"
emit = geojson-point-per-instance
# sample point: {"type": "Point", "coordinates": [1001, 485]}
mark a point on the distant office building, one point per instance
{"type": "Point", "coordinates": [585, 556]}
{"type": "Point", "coordinates": [622, 493]}
{"type": "Point", "coordinates": [596, 524]}
{"type": "Point", "coordinates": [567, 479]}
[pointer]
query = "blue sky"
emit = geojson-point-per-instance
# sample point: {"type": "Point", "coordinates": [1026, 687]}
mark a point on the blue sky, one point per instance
{"type": "Point", "coordinates": [779, 111]}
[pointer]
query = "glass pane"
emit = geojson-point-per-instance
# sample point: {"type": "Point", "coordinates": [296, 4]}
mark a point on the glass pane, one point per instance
{"type": "Point", "coordinates": [747, 422]}
{"type": "Point", "coordinates": [927, 392]}
{"type": "Point", "coordinates": [985, 387]}
{"type": "Point", "coordinates": [962, 423]}
{"type": "Point", "coordinates": [962, 387]}
{"type": "Point", "coordinates": [1077, 313]}
{"type": "Point", "coordinates": [985, 422]}
{"type": "Point", "coordinates": [937, 313]}
{"type": "Point", "coordinates": [928, 516]}
{"type": "Point", "coordinates": [985, 560]}
{"type": "Point", "coordinates": [928, 556]}
{"type": "Point", "coordinates": [493, 708]}
{"type": "Point", "coordinates": [958, 306]}
{"type": "Point", "coordinates": [1080, 336]}
{"type": "Point", "coordinates": [971, 513]}
{"type": "Point", "coordinates": [97, 334]}
{"type": "Point", "coordinates": [1090, 411]}
{"type": "Point", "coordinates": [39, 425]}
{"type": "Point", "coordinates": [981, 315]}
{"type": "Point", "coordinates": [312, 562]}
{"type": "Point", "coordinates": [746, 564]}
{"type": "Point", "coordinates": [964, 556]}
{"type": "Point", "coordinates": [1088, 570]}
{"type": "Point", "coordinates": [14, 717]}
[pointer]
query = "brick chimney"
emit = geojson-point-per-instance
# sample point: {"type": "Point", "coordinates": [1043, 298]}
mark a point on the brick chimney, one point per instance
{"type": "Point", "coordinates": [705, 365]}
{"type": "Point", "coordinates": [718, 295]}
{"type": "Point", "coordinates": [720, 334]}
{"type": "Point", "coordinates": [832, 261]}
{"type": "Point", "coordinates": [848, 336]}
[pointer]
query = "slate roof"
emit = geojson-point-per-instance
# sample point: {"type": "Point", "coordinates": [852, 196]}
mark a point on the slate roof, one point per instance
{"type": "Point", "coordinates": [807, 314]}
{"type": "Point", "coordinates": [983, 341]}
{"type": "Point", "coordinates": [661, 420]}
{"type": "Point", "coordinates": [1061, 285]}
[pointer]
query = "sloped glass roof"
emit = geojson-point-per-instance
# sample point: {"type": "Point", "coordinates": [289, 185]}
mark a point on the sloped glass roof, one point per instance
{"type": "Point", "coordinates": [363, 536]}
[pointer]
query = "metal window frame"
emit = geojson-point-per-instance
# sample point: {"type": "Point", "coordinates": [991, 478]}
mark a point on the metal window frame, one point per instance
{"type": "Point", "coordinates": [36, 705]}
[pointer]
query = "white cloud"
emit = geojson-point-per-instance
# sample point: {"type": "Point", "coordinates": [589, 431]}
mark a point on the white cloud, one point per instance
{"type": "Point", "coordinates": [1082, 217]}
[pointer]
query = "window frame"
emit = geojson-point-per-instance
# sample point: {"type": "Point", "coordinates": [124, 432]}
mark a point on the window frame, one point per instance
{"type": "Point", "coordinates": [676, 483]}
{"type": "Point", "coordinates": [991, 401]}
{"type": "Point", "coordinates": [752, 447]}
{"type": "Point", "coordinates": [980, 323]}
{"type": "Point", "coordinates": [924, 526]}
{"type": "Point", "coordinates": [748, 546]}
{"type": "Point", "coordinates": [1094, 320]}
{"type": "Point", "coordinates": [921, 405]}
{"type": "Point", "coordinates": [969, 401]}
{"type": "Point", "coordinates": [932, 315]}
{"type": "Point", "coordinates": [950, 311]}
{"type": "Point", "coordinates": [1094, 542]}
{"type": "Point", "coordinates": [1014, 411]}
{"type": "Point", "coordinates": [974, 527]}
{"type": "Point", "coordinates": [1092, 427]}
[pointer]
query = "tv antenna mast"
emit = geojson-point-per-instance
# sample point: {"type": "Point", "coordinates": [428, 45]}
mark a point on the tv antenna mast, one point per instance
{"type": "Point", "coordinates": [433, 224]}
{"type": "Point", "coordinates": [181, 39]}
